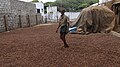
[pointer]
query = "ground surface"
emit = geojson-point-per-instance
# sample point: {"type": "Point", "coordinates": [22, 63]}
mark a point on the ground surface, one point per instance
{"type": "Point", "coordinates": [41, 47]}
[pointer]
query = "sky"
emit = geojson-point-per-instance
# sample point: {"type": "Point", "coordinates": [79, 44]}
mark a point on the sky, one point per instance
{"type": "Point", "coordinates": [39, 0]}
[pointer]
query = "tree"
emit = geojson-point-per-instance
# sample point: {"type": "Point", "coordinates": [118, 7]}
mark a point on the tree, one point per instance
{"type": "Point", "coordinates": [35, 1]}
{"type": "Point", "coordinates": [72, 5]}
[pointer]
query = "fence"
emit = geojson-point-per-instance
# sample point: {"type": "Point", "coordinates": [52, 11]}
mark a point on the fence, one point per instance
{"type": "Point", "coordinates": [10, 22]}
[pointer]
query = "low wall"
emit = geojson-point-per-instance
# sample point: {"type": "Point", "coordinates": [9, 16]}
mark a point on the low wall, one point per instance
{"type": "Point", "coordinates": [10, 22]}
{"type": "Point", "coordinates": [53, 17]}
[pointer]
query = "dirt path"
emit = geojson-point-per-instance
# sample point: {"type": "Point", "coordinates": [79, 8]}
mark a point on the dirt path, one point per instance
{"type": "Point", "coordinates": [41, 47]}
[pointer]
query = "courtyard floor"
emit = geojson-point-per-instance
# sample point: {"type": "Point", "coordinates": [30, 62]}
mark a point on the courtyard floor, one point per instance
{"type": "Point", "coordinates": [40, 46]}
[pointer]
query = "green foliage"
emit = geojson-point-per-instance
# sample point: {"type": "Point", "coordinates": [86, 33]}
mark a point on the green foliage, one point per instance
{"type": "Point", "coordinates": [35, 1]}
{"type": "Point", "coordinates": [72, 5]}
{"type": "Point", "coordinates": [83, 5]}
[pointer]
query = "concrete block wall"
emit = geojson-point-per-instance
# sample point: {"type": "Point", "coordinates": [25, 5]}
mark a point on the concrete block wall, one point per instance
{"type": "Point", "coordinates": [15, 12]}
{"type": "Point", "coordinates": [22, 8]}
{"type": "Point", "coordinates": [5, 6]}
{"type": "Point", "coordinates": [4, 9]}
{"type": "Point", "coordinates": [2, 24]}
{"type": "Point", "coordinates": [39, 18]}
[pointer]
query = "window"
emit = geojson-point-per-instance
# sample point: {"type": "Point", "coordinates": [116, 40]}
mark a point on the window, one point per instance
{"type": "Point", "coordinates": [38, 10]}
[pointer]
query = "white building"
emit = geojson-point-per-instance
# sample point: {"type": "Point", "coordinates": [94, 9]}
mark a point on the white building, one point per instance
{"type": "Point", "coordinates": [39, 7]}
{"type": "Point", "coordinates": [101, 2]}
{"type": "Point", "coordinates": [104, 1]}
{"type": "Point", "coordinates": [52, 13]}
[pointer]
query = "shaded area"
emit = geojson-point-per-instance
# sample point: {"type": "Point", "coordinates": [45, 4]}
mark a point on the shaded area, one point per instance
{"type": "Point", "coordinates": [41, 47]}
{"type": "Point", "coordinates": [116, 9]}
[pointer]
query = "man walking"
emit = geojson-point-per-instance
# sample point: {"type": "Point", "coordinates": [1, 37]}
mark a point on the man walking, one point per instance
{"type": "Point", "coordinates": [64, 27]}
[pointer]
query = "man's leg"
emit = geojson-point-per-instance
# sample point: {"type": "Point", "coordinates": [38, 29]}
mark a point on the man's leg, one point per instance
{"type": "Point", "coordinates": [62, 36]}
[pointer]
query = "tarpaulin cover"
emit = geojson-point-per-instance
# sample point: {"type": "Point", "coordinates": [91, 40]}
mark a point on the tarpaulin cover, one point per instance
{"type": "Point", "coordinates": [96, 19]}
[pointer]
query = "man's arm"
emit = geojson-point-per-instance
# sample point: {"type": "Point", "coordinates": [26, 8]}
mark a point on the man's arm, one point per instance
{"type": "Point", "coordinates": [68, 22]}
{"type": "Point", "coordinates": [58, 25]}
{"type": "Point", "coordinates": [58, 28]}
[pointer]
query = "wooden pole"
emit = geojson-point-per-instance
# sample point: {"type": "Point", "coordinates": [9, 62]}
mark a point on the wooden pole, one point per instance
{"type": "Point", "coordinates": [5, 23]}
{"type": "Point", "coordinates": [28, 20]}
{"type": "Point", "coordinates": [20, 24]}
{"type": "Point", "coordinates": [36, 20]}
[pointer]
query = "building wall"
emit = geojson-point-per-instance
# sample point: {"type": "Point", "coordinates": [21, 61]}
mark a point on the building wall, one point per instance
{"type": "Point", "coordinates": [52, 12]}
{"type": "Point", "coordinates": [12, 9]}
{"type": "Point", "coordinates": [5, 6]}
{"type": "Point", "coordinates": [40, 6]}
{"type": "Point", "coordinates": [22, 8]}
{"type": "Point", "coordinates": [4, 9]}
{"type": "Point", "coordinates": [72, 15]}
